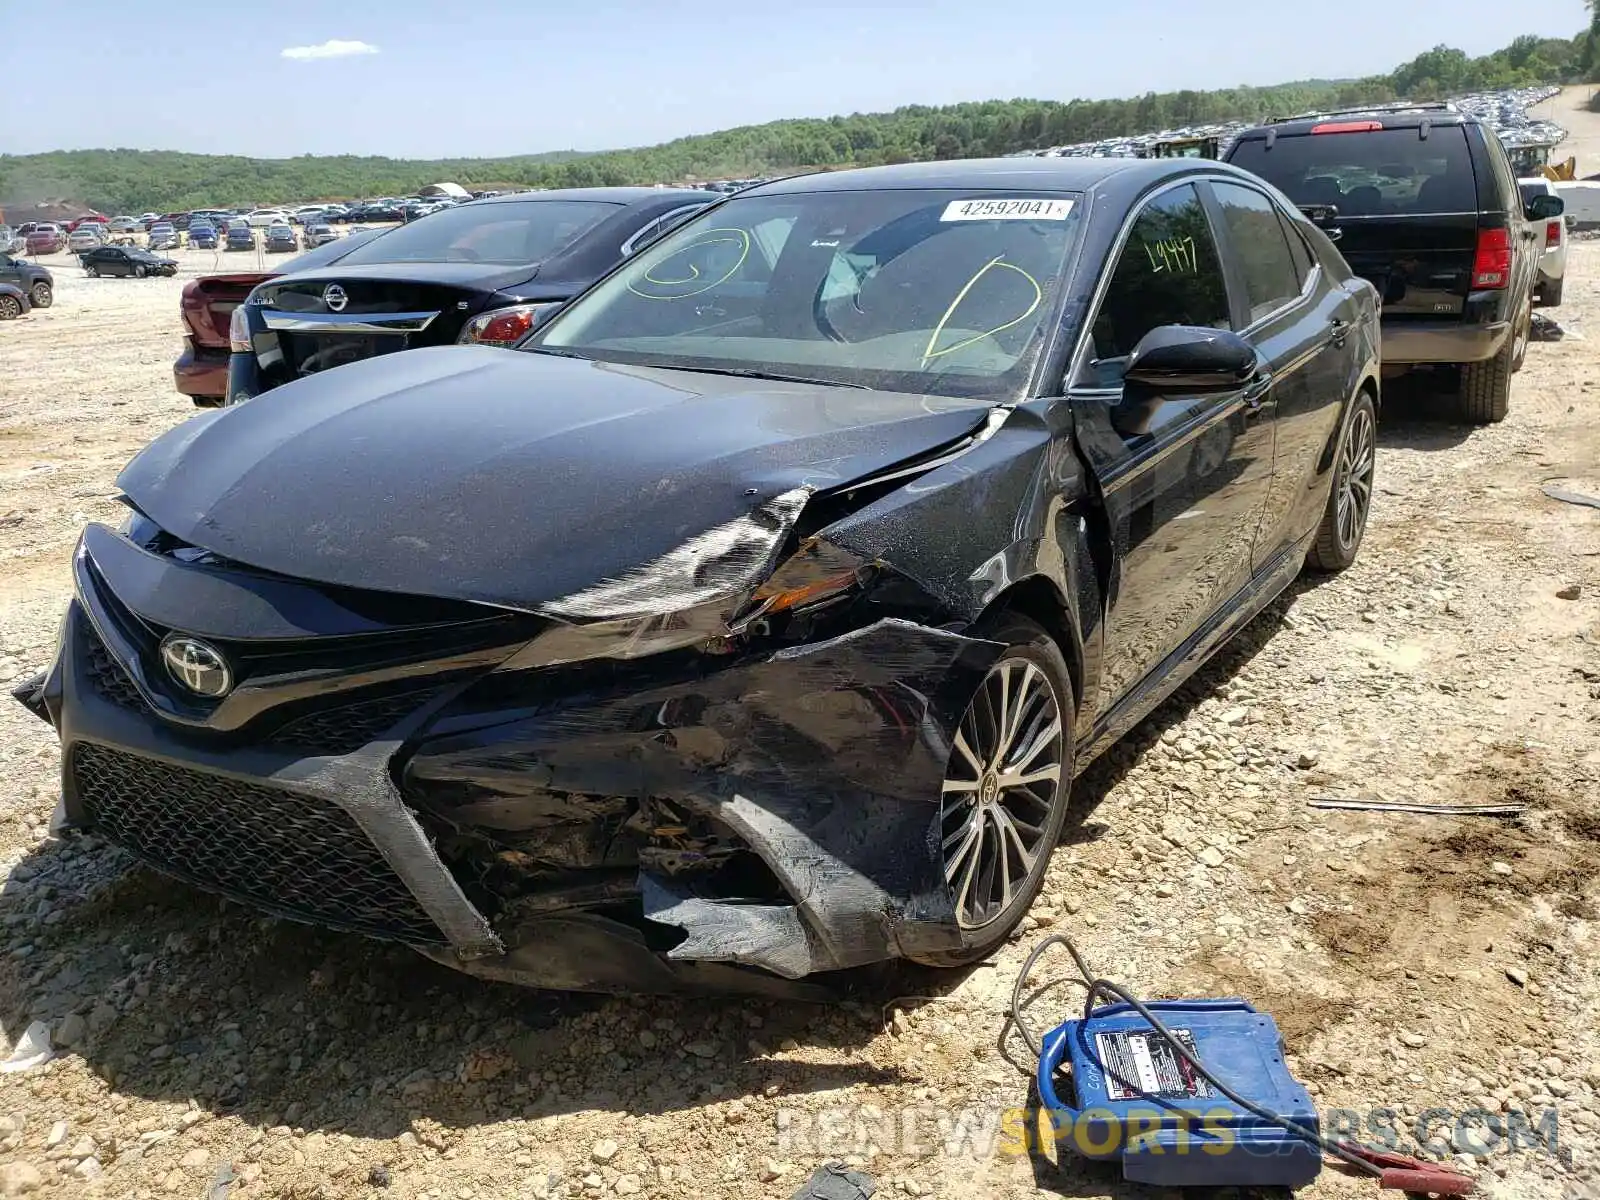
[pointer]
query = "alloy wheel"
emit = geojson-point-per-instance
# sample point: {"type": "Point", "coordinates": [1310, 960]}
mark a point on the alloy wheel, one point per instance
{"type": "Point", "coordinates": [1356, 461]}
{"type": "Point", "coordinates": [999, 789]}
{"type": "Point", "coordinates": [10, 308]}
{"type": "Point", "coordinates": [41, 295]}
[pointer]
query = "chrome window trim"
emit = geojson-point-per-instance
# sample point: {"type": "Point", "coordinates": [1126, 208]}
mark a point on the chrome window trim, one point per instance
{"type": "Point", "coordinates": [629, 246]}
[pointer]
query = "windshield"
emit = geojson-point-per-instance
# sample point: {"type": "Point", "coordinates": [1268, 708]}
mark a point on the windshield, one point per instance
{"type": "Point", "coordinates": [937, 291]}
{"type": "Point", "coordinates": [1389, 172]}
{"type": "Point", "coordinates": [523, 232]}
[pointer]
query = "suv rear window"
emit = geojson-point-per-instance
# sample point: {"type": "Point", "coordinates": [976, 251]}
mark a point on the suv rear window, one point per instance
{"type": "Point", "coordinates": [1389, 172]}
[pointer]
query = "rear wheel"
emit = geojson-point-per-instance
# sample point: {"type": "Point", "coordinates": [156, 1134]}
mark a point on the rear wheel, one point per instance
{"type": "Point", "coordinates": [1486, 387]}
{"type": "Point", "coordinates": [42, 295]}
{"type": "Point", "coordinates": [10, 308]}
{"type": "Point", "coordinates": [1344, 521]}
{"type": "Point", "coordinates": [1550, 293]}
{"type": "Point", "coordinates": [1005, 791]}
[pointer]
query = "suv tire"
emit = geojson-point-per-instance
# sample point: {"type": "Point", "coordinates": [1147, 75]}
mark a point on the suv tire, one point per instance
{"type": "Point", "coordinates": [1486, 387]}
{"type": "Point", "coordinates": [1550, 293]}
{"type": "Point", "coordinates": [41, 294]}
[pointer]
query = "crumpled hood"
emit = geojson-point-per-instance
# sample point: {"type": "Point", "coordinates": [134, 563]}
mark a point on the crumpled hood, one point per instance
{"type": "Point", "coordinates": [508, 478]}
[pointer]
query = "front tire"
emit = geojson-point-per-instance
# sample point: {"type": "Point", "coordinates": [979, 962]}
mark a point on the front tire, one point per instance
{"type": "Point", "coordinates": [138, 271]}
{"type": "Point", "coordinates": [1006, 789]}
{"type": "Point", "coordinates": [42, 295]}
{"type": "Point", "coordinates": [92, 272]}
{"type": "Point", "coordinates": [10, 308]}
{"type": "Point", "coordinates": [1344, 521]}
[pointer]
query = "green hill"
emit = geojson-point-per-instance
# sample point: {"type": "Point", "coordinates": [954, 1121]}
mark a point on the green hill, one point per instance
{"type": "Point", "coordinates": [118, 181]}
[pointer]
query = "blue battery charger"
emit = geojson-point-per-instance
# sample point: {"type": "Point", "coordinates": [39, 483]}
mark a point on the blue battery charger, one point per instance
{"type": "Point", "coordinates": [1113, 1088]}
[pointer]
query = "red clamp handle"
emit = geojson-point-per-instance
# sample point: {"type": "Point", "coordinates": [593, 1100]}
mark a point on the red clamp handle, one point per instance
{"type": "Point", "coordinates": [1429, 1181]}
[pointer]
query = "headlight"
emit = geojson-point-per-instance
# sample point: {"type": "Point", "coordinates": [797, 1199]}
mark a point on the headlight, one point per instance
{"type": "Point", "coordinates": [506, 326]}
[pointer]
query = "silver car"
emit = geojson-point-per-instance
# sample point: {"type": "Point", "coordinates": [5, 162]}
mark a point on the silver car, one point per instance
{"type": "Point", "coordinates": [84, 237]}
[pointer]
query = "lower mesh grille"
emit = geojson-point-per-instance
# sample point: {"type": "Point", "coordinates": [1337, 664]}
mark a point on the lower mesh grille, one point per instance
{"type": "Point", "coordinates": [349, 727]}
{"type": "Point", "coordinates": [106, 676]}
{"type": "Point", "coordinates": [294, 856]}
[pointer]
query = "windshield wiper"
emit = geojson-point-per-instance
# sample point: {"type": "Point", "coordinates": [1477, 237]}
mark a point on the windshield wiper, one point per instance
{"type": "Point", "coordinates": [750, 373]}
{"type": "Point", "coordinates": [554, 353]}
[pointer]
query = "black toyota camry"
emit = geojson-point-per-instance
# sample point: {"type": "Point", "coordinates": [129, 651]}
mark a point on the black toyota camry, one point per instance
{"type": "Point", "coordinates": [753, 618]}
{"type": "Point", "coordinates": [485, 272]}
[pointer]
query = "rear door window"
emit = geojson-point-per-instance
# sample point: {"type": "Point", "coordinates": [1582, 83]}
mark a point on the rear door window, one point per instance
{"type": "Point", "coordinates": [1388, 172]}
{"type": "Point", "coordinates": [1258, 241]}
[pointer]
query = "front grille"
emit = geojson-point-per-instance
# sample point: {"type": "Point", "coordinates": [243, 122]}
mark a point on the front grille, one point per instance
{"type": "Point", "coordinates": [294, 856]}
{"type": "Point", "coordinates": [349, 727]}
{"type": "Point", "coordinates": [106, 675]}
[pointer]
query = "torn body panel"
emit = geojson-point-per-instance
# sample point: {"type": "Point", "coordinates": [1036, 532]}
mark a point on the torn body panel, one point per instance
{"type": "Point", "coordinates": [814, 772]}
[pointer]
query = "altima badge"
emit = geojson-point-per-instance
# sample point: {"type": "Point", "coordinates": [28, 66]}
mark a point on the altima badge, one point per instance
{"type": "Point", "coordinates": [334, 297]}
{"type": "Point", "coordinates": [196, 666]}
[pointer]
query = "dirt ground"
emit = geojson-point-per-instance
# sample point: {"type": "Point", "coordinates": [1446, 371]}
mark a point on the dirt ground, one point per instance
{"type": "Point", "coordinates": [1412, 962]}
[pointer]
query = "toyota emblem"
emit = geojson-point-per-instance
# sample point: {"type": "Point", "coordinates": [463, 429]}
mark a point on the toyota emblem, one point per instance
{"type": "Point", "coordinates": [196, 666]}
{"type": "Point", "coordinates": [334, 297]}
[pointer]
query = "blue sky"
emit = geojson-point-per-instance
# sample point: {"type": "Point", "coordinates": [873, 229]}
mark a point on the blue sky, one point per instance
{"type": "Point", "coordinates": [489, 77]}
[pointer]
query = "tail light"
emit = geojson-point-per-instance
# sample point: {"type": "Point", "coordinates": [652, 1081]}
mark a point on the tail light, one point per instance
{"type": "Point", "coordinates": [1491, 264]}
{"type": "Point", "coordinates": [1552, 233]}
{"type": "Point", "coordinates": [238, 332]}
{"type": "Point", "coordinates": [506, 326]}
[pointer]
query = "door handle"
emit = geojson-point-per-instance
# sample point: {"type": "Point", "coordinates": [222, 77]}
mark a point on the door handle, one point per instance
{"type": "Point", "coordinates": [1340, 331]}
{"type": "Point", "coordinates": [1253, 393]}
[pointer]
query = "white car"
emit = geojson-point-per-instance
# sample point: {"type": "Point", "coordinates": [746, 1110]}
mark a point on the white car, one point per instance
{"type": "Point", "coordinates": [1552, 245]}
{"type": "Point", "coordinates": [262, 217]}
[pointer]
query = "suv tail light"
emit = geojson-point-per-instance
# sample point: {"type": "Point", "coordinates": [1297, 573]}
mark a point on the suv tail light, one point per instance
{"type": "Point", "coordinates": [1491, 264]}
{"type": "Point", "coordinates": [1552, 233]}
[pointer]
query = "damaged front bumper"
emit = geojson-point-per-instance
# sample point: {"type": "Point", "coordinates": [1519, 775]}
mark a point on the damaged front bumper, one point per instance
{"type": "Point", "coordinates": [680, 822]}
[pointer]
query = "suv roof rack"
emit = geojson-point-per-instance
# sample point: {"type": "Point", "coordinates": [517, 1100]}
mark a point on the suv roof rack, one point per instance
{"type": "Point", "coordinates": [1401, 106]}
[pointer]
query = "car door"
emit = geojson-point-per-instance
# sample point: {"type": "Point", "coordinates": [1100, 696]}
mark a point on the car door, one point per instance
{"type": "Point", "coordinates": [1183, 479]}
{"type": "Point", "coordinates": [10, 272]}
{"type": "Point", "coordinates": [1295, 323]}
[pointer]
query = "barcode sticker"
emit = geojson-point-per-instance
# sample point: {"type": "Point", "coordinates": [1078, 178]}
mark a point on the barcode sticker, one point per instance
{"type": "Point", "coordinates": [1007, 210]}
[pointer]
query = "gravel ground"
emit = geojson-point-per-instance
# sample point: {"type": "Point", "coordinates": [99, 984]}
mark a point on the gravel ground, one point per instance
{"type": "Point", "coordinates": [1412, 962]}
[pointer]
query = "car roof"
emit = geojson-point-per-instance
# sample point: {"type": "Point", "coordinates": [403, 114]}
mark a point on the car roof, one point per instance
{"type": "Point", "coordinates": [1021, 174]}
{"type": "Point", "coordinates": [1404, 116]}
{"type": "Point", "coordinates": [608, 195]}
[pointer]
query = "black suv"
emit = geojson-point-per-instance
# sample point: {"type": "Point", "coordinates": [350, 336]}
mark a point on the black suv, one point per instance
{"type": "Point", "coordinates": [35, 280]}
{"type": "Point", "coordinates": [1422, 201]}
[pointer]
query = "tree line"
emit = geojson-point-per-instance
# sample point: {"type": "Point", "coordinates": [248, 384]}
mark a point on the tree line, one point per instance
{"type": "Point", "coordinates": [131, 181]}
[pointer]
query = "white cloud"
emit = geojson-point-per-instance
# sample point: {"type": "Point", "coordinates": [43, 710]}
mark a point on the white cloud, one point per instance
{"type": "Point", "coordinates": [332, 48]}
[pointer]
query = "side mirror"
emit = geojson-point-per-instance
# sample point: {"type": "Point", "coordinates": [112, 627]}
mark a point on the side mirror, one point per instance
{"type": "Point", "coordinates": [1191, 358]}
{"type": "Point", "coordinates": [1545, 207]}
